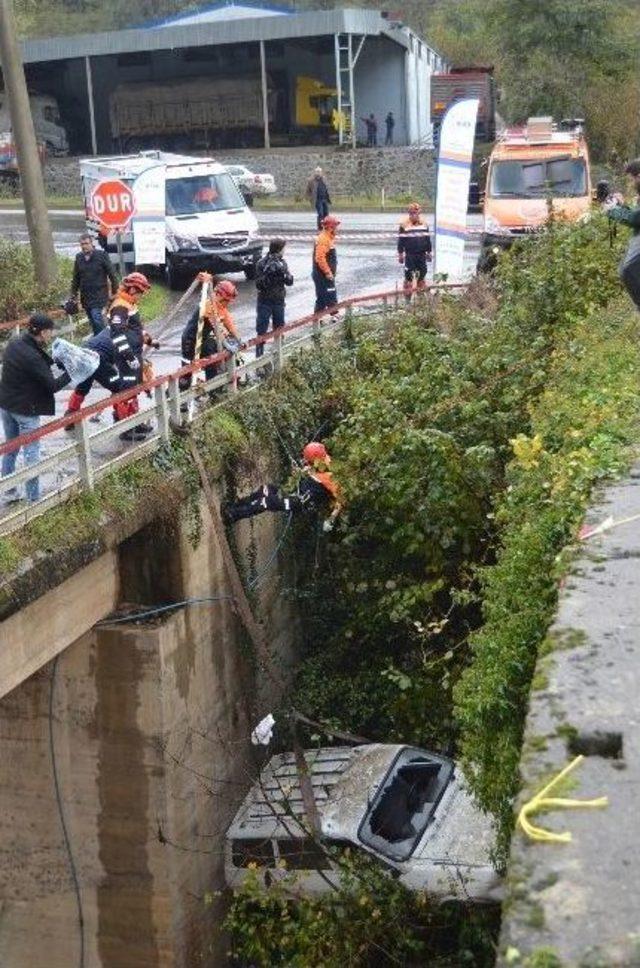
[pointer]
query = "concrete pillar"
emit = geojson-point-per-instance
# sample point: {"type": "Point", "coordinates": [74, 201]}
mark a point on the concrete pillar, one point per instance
{"type": "Point", "coordinates": [92, 111]}
{"type": "Point", "coordinates": [265, 95]}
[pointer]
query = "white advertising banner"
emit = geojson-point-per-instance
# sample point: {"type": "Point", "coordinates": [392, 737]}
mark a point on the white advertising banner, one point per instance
{"type": "Point", "coordinates": [457, 135]}
{"type": "Point", "coordinates": [149, 230]}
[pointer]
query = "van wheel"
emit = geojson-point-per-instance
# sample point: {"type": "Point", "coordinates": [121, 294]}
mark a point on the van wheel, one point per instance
{"type": "Point", "coordinates": [250, 272]}
{"type": "Point", "coordinates": [175, 278]}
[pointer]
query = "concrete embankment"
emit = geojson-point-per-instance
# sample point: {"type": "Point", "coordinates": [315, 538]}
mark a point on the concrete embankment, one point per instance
{"type": "Point", "coordinates": [578, 901]}
{"type": "Point", "coordinates": [124, 747]}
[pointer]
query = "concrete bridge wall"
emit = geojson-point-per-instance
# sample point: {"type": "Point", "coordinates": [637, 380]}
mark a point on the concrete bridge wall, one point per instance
{"type": "Point", "coordinates": [148, 727]}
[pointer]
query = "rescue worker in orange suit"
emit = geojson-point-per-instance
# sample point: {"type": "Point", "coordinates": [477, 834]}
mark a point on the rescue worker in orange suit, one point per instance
{"type": "Point", "coordinates": [129, 340]}
{"type": "Point", "coordinates": [414, 249]}
{"type": "Point", "coordinates": [216, 309]}
{"type": "Point", "coordinates": [325, 264]}
{"type": "Point", "coordinates": [316, 491]}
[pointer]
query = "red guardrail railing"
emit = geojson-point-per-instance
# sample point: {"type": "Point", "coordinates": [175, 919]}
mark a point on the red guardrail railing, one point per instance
{"type": "Point", "coordinates": [61, 422]}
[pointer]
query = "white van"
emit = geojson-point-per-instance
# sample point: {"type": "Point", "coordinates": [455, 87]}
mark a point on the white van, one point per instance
{"type": "Point", "coordinates": [46, 121]}
{"type": "Point", "coordinates": [208, 224]}
{"type": "Point", "coordinates": [404, 806]}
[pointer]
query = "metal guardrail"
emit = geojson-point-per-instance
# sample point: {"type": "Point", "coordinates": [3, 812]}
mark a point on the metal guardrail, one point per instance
{"type": "Point", "coordinates": [78, 462]}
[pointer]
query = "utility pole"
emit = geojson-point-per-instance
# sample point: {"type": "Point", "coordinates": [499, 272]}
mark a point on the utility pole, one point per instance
{"type": "Point", "coordinates": [38, 225]}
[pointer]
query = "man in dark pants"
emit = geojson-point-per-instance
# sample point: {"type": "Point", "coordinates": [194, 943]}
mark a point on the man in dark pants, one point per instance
{"type": "Point", "coordinates": [623, 214]}
{"type": "Point", "coordinates": [414, 249]}
{"type": "Point", "coordinates": [318, 195]}
{"type": "Point", "coordinates": [27, 389]}
{"type": "Point", "coordinates": [325, 264]}
{"type": "Point", "coordinates": [272, 276]}
{"type": "Point", "coordinates": [372, 130]}
{"type": "Point", "coordinates": [107, 375]}
{"type": "Point", "coordinates": [390, 122]}
{"type": "Point", "coordinates": [316, 490]}
{"type": "Point", "coordinates": [95, 279]}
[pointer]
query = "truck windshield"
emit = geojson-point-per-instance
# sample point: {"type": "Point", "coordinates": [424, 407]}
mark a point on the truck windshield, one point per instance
{"type": "Point", "coordinates": [202, 193]}
{"type": "Point", "coordinates": [559, 177]}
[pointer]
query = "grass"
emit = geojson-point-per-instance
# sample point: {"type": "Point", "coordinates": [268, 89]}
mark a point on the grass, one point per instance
{"type": "Point", "coordinates": [341, 203]}
{"type": "Point", "coordinates": [155, 302]}
{"type": "Point", "coordinates": [53, 202]}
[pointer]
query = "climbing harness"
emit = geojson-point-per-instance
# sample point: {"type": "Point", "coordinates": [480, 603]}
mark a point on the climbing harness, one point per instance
{"type": "Point", "coordinates": [541, 801]}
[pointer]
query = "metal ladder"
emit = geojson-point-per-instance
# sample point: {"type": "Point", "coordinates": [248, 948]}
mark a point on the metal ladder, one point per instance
{"type": "Point", "coordinates": [346, 61]}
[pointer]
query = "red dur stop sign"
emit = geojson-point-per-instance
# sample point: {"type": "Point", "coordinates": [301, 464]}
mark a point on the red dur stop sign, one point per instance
{"type": "Point", "coordinates": [112, 205]}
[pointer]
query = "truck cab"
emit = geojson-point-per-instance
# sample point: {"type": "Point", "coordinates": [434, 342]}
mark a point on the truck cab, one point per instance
{"type": "Point", "coordinates": [535, 171]}
{"type": "Point", "coordinates": [208, 225]}
{"type": "Point", "coordinates": [404, 806]}
{"type": "Point", "coordinates": [46, 121]}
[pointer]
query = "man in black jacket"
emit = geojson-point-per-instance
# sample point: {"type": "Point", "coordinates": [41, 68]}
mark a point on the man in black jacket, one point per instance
{"type": "Point", "coordinates": [95, 279]}
{"type": "Point", "coordinates": [272, 276]}
{"type": "Point", "coordinates": [27, 389]}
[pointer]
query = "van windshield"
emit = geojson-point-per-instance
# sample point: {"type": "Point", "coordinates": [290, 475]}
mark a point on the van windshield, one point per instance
{"type": "Point", "coordinates": [559, 177]}
{"type": "Point", "coordinates": [202, 193]}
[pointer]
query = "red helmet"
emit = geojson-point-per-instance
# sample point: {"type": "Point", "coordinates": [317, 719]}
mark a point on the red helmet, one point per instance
{"type": "Point", "coordinates": [330, 222]}
{"type": "Point", "coordinates": [137, 282]}
{"type": "Point", "coordinates": [414, 208]}
{"type": "Point", "coordinates": [314, 450]}
{"type": "Point", "coordinates": [225, 290]}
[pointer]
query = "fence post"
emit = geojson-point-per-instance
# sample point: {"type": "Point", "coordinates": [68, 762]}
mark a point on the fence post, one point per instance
{"type": "Point", "coordinates": [232, 376]}
{"type": "Point", "coordinates": [162, 413]}
{"type": "Point", "coordinates": [316, 329]}
{"type": "Point", "coordinates": [277, 353]}
{"type": "Point", "coordinates": [84, 453]}
{"type": "Point", "coordinates": [174, 399]}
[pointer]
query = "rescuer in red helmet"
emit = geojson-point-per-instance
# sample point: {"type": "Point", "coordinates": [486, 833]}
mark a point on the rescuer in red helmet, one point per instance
{"type": "Point", "coordinates": [316, 489]}
{"type": "Point", "coordinates": [216, 310]}
{"type": "Point", "coordinates": [325, 264]}
{"type": "Point", "coordinates": [129, 340]}
{"type": "Point", "coordinates": [414, 249]}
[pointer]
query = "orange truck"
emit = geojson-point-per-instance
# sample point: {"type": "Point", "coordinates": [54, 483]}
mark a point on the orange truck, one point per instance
{"type": "Point", "coordinates": [536, 170]}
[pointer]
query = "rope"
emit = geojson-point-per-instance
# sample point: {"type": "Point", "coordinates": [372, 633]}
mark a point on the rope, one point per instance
{"type": "Point", "coordinates": [65, 833]}
{"type": "Point", "coordinates": [257, 580]}
{"type": "Point", "coordinates": [543, 802]}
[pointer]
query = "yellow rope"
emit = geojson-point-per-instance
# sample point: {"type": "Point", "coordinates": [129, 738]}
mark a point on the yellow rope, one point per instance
{"type": "Point", "coordinates": [541, 802]}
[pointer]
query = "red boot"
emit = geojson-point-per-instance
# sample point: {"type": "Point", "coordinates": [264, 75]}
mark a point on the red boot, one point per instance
{"type": "Point", "coordinates": [75, 402]}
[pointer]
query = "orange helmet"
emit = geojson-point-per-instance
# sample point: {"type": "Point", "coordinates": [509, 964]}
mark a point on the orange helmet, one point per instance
{"type": "Point", "coordinates": [330, 222]}
{"type": "Point", "coordinates": [225, 290]}
{"type": "Point", "coordinates": [205, 194]}
{"type": "Point", "coordinates": [314, 450]}
{"type": "Point", "coordinates": [136, 281]}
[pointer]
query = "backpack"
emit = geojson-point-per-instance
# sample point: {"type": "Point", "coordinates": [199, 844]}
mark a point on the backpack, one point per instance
{"type": "Point", "coordinates": [271, 275]}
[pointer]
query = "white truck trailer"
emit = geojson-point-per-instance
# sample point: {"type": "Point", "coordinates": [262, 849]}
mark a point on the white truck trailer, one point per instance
{"type": "Point", "coordinates": [208, 224]}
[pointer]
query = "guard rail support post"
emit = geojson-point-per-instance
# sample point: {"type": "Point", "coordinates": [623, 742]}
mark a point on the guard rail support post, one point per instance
{"type": "Point", "coordinates": [347, 324]}
{"type": "Point", "coordinates": [277, 353]}
{"type": "Point", "coordinates": [232, 376]}
{"type": "Point", "coordinates": [84, 454]}
{"type": "Point", "coordinates": [162, 412]}
{"type": "Point", "coordinates": [16, 329]}
{"type": "Point", "coordinates": [174, 399]}
{"type": "Point", "coordinates": [316, 330]}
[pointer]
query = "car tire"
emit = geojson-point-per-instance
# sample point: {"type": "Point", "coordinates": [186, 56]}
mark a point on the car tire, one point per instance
{"type": "Point", "coordinates": [175, 278]}
{"type": "Point", "coordinates": [250, 272]}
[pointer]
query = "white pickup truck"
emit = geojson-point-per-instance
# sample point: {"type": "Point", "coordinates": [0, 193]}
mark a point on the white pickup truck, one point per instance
{"type": "Point", "coordinates": [208, 224]}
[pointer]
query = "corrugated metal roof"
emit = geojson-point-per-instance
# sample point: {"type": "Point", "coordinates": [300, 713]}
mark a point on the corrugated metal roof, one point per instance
{"type": "Point", "coordinates": [218, 11]}
{"type": "Point", "coordinates": [310, 24]}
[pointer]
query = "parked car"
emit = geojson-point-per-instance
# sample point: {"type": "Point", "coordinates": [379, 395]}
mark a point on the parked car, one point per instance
{"type": "Point", "coordinates": [402, 805]}
{"type": "Point", "coordinates": [251, 184]}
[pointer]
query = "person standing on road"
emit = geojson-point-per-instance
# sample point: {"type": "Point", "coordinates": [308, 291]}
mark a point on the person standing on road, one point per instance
{"type": "Point", "coordinates": [372, 130]}
{"type": "Point", "coordinates": [95, 279]}
{"type": "Point", "coordinates": [318, 195]}
{"type": "Point", "coordinates": [272, 278]}
{"type": "Point", "coordinates": [27, 388]}
{"type": "Point", "coordinates": [325, 264]}
{"type": "Point", "coordinates": [623, 214]}
{"type": "Point", "coordinates": [414, 249]}
{"type": "Point", "coordinates": [390, 122]}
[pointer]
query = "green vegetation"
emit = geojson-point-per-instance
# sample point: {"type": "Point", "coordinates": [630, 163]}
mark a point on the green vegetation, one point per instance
{"type": "Point", "coordinates": [18, 294]}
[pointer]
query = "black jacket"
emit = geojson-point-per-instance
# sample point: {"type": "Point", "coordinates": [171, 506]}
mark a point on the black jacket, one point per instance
{"type": "Point", "coordinates": [272, 275]}
{"type": "Point", "coordinates": [190, 335]}
{"type": "Point", "coordinates": [90, 279]}
{"type": "Point", "coordinates": [27, 385]}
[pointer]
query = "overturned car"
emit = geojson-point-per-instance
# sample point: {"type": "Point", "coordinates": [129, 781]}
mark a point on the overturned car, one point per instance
{"type": "Point", "coordinates": [402, 805]}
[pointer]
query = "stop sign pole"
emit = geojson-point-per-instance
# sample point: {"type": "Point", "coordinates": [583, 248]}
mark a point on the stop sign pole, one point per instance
{"type": "Point", "coordinates": [113, 206]}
